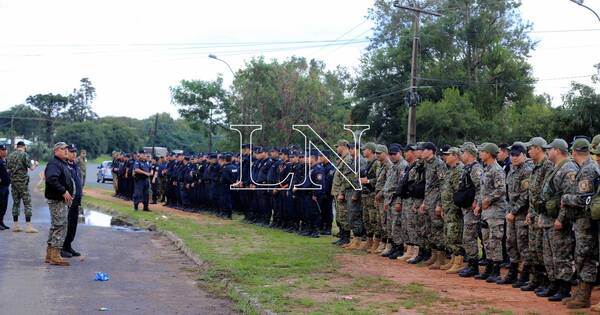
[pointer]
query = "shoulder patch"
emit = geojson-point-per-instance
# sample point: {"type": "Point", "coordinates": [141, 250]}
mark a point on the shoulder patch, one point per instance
{"type": "Point", "coordinates": [525, 184]}
{"type": "Point", "coordinates": [585, 185]}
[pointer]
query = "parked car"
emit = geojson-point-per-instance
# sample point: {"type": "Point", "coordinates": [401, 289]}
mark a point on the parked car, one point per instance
{"type": "Point", "coordinates": [104, 172]}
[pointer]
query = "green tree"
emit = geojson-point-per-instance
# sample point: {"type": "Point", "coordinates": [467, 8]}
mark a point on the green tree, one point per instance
{"type": "Point", "coordinates": [202, 103]}
{"type": "Point", "coordinates": [80, 102]}
{"type": "Point", "coordinates": [21, 120]}
{"type": "Point", "coordinates": [50, 106]}
{"type": "Point", "coordinates": [86, 135]}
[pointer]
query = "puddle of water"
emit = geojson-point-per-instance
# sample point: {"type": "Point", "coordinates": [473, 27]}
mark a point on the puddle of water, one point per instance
{"type": "Point", "coordinates": [96, 218]}
{"type": "Point", "coordinates": [127, 229]}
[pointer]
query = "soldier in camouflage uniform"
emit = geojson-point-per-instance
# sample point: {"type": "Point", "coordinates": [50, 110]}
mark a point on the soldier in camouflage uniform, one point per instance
{"type": "Point", "coordinates": [395, 174]}
{"type": "Point", "coordinates": [517, 234]}
{"type": "Point", "coordinates": [368, 179]}
{"type": "Point", "coordinates": [418, 220]}
{"type": "Point", "coordinates": [470, 179]}
{"type": "Point", "coordinates": [453, 217]}
{"type": "Point", "coordinates": [404, 205]}
{"type": "Point", "coordinates": [492, 209]}
{"type": "Point", "coordinates": [353, 200]}
{"type": "Point", "coordinates": [435, 170]}
{"type": "Point", "coordinates": [82, 164]}
{"type": "Point", "coordinates": [542, 168]}
{"type": "Point", "coordinates": [18, 164]}
{"type": "Point", "coordinates": [337, 191]}
{"type": "Point", "coordinates": [586, 241]}
{"type": "Point", "coordinates": [385, 165]}
{"type": "Point", "coordinates": [557, 240]}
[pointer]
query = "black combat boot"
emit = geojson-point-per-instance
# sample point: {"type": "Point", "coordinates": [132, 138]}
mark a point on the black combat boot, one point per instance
{"type": "Point", "coordinates": [420, 257]}
{"type": "Point", "coordinates": [564, 291]}
{"type": "Point", "coordinates": [551, 290]}
{"type": "Point", "coordinates": [472, 270]}
{"type": "Point", "coordinates": [495, 275]}
{"type": "Point", "coordinates": [396, 252]}
{"type": "Point", "coordinates": [536, 281]}
{"type": "Point", "coordinates": [489, 266]}
{"type": "Point", "coordinates": [511, 277]}
{"type": "Point", "coordinates": [523, 277]}
{"type": "Point", "coordinates": [544, 284]}
{"type": "Point", "coordinates": [394, 248]}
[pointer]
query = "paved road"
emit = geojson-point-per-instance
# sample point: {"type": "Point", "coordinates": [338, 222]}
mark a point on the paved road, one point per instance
{"type": "Point", "coordinates": [148, 276]}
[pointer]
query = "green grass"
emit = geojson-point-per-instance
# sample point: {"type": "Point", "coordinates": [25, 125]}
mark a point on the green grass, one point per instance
{"type": "Point", "coordinates": [100, 159]}
{"type": "Point", "coordinates": [284, 272]}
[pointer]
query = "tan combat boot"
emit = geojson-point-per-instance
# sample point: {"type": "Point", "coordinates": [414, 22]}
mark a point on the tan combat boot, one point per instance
{"type": "Point", "coordinates": [30, 229]}
{"type": "Point", "coordinates": [574, 293]}
{"type": "Point", "coordinates": [55, 258]}
{"type": "Point", "coordinates": [374, 246]}
{"type": "Point", "coordinates": [415, 253]}
{"type": "Point", "coordinates": [457, 266]}
{"type": "Point", "coordinates": [449, 264]}
{"type": "Point", "coordinates": [16, 227]}
{"type": "Point", "coordinates": [349, 243]}
{"type": "Point", "coordinates": [365, 245]}
{"type": "Point", "coordinates": [407, 253]}
{"type": "Point", "coordinates": [441, 260]}
{"type": "Point", "coordinates": [582, 300]}
{"type": "Point", "coordinates": [354, 244]}
{"type": "Point", "coordinates": [431, 260]}
{"type": "Point", "coordinates": [382, 246]}
{"type": "Point", "coordinates": [387, 249]}
{"type": "Point", "coordinates": [47, 254]}
{"type": "Point", "coordinates": [595, 308]}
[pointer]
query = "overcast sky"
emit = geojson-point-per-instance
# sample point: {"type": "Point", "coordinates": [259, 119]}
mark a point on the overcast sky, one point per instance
{"type": "Point", "coordinates": [134, 50]}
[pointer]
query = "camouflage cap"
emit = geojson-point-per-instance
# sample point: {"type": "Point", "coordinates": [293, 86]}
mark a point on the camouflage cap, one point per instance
{"type": "Point", "coordinates": [342, 143]}
{"type": "Point", "coordinates": [558, 144]}
{"type": "Point", "coordinates": [536, 141]}
{"type": "Point", "coordinates": [370, 146]}
{"type": "Point", "coordinates": [381, 149]}
{"type": "Point", "coordinates": [469, 147]}
{"type": "Point", "coordinates": [595, 151]}
{"type": "Point", "coordinates": [581, 145]}
{"type": "Point", "coordinates": [452, 150]}
{"type": "Point", "coordinates": [595, 141]}
{"type": "Point", "coordinates": [489, 147]}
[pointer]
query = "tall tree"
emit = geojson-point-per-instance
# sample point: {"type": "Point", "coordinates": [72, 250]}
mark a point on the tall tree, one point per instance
{"type": "Point", "coordinates": [479, 47]}
{"type": "Point", "coordinates": [50, 106]}
{"type": "Point", "coordinates": [80, 102]}
{"type": "Point", "coordinates": [202, 103]}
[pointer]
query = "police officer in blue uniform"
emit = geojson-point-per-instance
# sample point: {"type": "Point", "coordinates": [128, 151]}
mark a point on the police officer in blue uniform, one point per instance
{"type": "Point", "coordinates": [229, 176]}
{"type": "Point", "coordinates": [273, 178]}
{"type": "Point", "coordinates": [298, 195]}
{"type": "Point", "coordinates": [264, 196]}
{"type": "Point", "coordinates": [285, 190]}
{"type": "Point", "coordinates": [4, 183]}
{"type": "Point", "coordinates": [129, 180]}
{"type": "Point", "coordinates": [326, 202]}
{"type": "Point", "coordinates": [255, 204]}
{"type": "Point", "coordinates": [312, 198]}
{"type": "Point", "coordinates": [141, 174]}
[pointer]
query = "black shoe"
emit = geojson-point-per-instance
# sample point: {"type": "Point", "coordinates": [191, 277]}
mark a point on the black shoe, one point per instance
{"type": "Point", "coordinates": [523, 278]}
{"type": "Point", "coordinates": [72, 251]}
{"type": "Point", "coordinates": [511, 277]}
{"type": "Point", "coordinates": [4, 226]}
{"type": "Point", "coordinates": [146, 209]}
{"type": "Point", "coordinates": [495, 275]}
{"type": "Point", "coordinates": [135, 207]}
{"type": "Point", "coordinates": [530, 286]}
{"type": "Point", "coordinates": [314, 234]}
{"type": "Point", "coordinates": [305, 233]}
{"type": "Point", "coordinates": [394, 253]}
{"type": "Point", "coordinates": [326, 232]}
{"type": "Point", "coordinates": [564, 291]}
{"type": "Point", "coordinates": [345, 240]}
{"type": "Point", "coordinates": [420, 257]}
{"type": "Point", "coordinates": [65, 254]}
{"type": "Point", "coordinates": [471, 271]}
{"type": "Point", "coordinates": [487, 273]}
{"type": "Point", "coordinates": [551, 290]}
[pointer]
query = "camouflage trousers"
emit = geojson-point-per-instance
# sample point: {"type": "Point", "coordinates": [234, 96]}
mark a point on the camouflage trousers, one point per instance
{"type": "Point", "coordinates": [162, 187]}
{"type": "Point", "coordinates": [387, 217]}
{"type": "Point", "coordinates": [58, 222]}
{"type": "Point", "coordinates": [536, 242]}
{"type": "Point", "coordinates": [453, 226]}
{"type": "Point", "coordinates": [435, 237]}
{"type": "Point", "coordinates": [407, 226]}
{"type": "Point", "coordinates": [421, 224]}
{"type": "Point", "coordinates": [558, 253]}
{"type": "Point", "coordinates": [341, 215]}
{"type": "Point", "coordinates": [492, 239]}
{"type": "Point", "coordinates": [517, 241]}
{"type": "Point", "coordinates": [586, 249]}
{"type": "Point", "coordinates": [20, 191]}
{"type": "Point", "coordinates": [355, 213]}
{"type": "Point", "coordinates": [470, 233]}
{"type": "Point", "coordinates": [115, 182]}
{"type": "Point", "coordinates": [370, 215]}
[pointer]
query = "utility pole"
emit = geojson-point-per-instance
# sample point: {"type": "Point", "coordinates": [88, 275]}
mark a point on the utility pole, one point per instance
{"type": "Point", "coordinates": [412, 99]}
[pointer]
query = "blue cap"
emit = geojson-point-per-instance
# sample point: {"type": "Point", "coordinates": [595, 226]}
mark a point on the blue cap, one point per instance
{"type": "Point", "coordinates": [245, 146]}
{"type": "Point", "coordinates": [315, 153]}
{"type": "Point", "coordinates": [285, 151]}
{"type": "Point", "coordinates": [212, 156]}
{"type": "Point", "coordinates": [394, 148]}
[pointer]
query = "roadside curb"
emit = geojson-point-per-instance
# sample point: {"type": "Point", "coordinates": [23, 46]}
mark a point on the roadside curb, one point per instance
{"type": "Point", "coordinates": [185, 250]}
